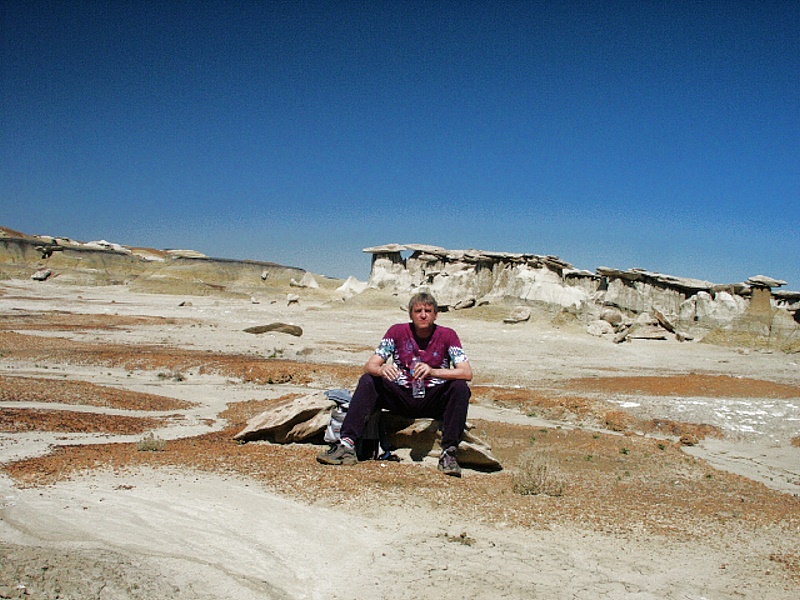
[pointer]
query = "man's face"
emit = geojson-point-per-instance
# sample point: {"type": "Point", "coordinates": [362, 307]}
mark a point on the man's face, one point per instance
{"type": "Point", "coordinates": [423, 316]}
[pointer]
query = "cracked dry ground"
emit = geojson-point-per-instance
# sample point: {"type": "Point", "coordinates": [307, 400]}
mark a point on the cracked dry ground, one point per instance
{"type": "Point", "coordinates": [611, 479]}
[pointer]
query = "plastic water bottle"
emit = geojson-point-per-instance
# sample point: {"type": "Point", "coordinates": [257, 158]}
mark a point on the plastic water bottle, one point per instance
{"type": "Point", "coordinates": [417, 385]}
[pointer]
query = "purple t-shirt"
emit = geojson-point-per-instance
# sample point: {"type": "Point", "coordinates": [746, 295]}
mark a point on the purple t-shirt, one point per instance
{"type": "Point", "coordinates": [442, 351]}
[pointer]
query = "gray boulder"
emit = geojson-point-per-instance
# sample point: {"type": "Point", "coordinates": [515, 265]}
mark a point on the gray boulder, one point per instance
{"type": "Point", "coordinates": [41, 275]}
{"type": "Point", "coordinates": [294, 330]}
{"type": "Point", "coordinates": [600, 328]}
{"type": "Point", "coordinates": [423, 437]}
{"type": "Point", "coordinates": [295, 420]}
{"type": "Point", "coordinates": [612, 317]}
{"type": "Point", "coordinates": [520, 314]}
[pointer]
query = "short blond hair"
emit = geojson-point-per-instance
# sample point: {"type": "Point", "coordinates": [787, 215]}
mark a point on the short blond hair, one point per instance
{"type": "Point", "coordinates": [423, 298]}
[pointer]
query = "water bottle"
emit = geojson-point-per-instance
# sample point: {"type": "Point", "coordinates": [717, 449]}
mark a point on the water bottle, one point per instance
{"type": "Point", "coordinates": [417, 385]}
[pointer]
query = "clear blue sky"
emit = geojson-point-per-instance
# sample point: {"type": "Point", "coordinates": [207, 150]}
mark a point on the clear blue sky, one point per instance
{"type": "Point", "coordinates": [663, 135]}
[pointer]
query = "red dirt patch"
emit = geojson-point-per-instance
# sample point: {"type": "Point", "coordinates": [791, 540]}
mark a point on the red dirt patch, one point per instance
{"type": "Point", "coordinates": [691, 384]}
{"type": "Point", "coordinates": [28, 389]}
{"type": "Point", "coordinates": [15, 420]}
{"type": "Point", "coordinates": [66, 321]}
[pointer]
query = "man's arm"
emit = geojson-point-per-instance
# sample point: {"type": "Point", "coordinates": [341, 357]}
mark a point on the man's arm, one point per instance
{"type": "Point", "coordinates": [461, 370]}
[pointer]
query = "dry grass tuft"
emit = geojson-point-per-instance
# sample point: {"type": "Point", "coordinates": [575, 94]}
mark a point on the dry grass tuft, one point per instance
{"type": "Point", "coordinates": [151, 443]}
{"type": "Point", "coordinates": [537, 474]}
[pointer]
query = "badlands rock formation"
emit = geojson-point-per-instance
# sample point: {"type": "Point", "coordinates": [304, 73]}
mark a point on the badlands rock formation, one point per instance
{"type": "Point", "coordinates": [680, 306]}
{"type": "Point", "coordinates": [614, 303]}
{"type": "Point", "coordinates": [143, 269]}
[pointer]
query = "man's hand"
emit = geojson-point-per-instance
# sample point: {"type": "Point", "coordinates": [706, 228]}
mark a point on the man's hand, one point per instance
{"type": "Point", "coordinates": [389, 372]}
{"type": "Point", "coordinates": [422, 370]}
{"type": "Point", "coordinates": [377, 367]}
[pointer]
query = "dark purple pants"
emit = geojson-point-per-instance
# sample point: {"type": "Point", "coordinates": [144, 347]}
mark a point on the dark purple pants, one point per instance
{"type": "Point", "coordinates": [447, 402]}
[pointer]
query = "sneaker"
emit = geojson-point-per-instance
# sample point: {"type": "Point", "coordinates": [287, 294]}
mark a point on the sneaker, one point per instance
{"type": "Point", "coordinates": [338, 455]}
{"type": "Point", "coordinates": [448, 464]}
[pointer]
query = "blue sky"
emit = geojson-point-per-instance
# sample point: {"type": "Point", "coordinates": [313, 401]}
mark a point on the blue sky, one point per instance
{"type": "Point", "coordinates": [662, 135]}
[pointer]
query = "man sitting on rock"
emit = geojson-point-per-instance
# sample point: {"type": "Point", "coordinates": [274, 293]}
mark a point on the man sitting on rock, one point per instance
{"type": "Point", "coordinates": [426, 378]}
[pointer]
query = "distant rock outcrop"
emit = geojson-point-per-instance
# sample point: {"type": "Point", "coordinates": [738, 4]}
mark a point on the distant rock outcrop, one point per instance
{"type": "Point", "coordinates": [143, 269]}
{"type": "Point", "coordinates": [307, 281]}
{"type": "Point", "coordinates": [456, 275]}
{"type": "Point", "coordinates": [351, 287]}
{"type": "Point", "coordinates": [677, 305]}
{"type": "Point", "coordinates": [645, 304]}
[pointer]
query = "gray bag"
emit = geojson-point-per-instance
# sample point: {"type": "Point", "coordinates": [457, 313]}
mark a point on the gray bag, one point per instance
{"type": "Point", "coordinates": [338, 413]}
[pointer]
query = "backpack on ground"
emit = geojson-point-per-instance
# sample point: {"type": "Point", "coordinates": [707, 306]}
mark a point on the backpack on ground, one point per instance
{"type": "Point", "coordinates": [373, 445]}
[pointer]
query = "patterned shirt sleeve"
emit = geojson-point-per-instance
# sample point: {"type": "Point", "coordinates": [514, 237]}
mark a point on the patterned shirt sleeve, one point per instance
{"type": "Point", "coordinates": [385, 349]}
{"type": "Point", "coordinates": [454, 349]}
{"type": "Point", "coordinates": [457, 354]}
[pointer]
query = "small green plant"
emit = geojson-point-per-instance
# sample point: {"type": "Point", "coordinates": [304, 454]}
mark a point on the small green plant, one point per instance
{"type": "Point", "coordinates": [537, 475]}
{"type": "Point", "coordinates": [624, 451]}
{"type": "Point", "coordinates": [662, 446]}
{"type": "Point", "coordinates": [588, 458]}
{"type": "Point", "coordinates": [151, 443]}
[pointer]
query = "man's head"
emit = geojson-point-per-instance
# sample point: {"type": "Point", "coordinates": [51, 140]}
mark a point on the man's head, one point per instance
{"type": "Point", "coordinates": [422, 309]}
{"type": "Point", "coordinates": [422, 298]}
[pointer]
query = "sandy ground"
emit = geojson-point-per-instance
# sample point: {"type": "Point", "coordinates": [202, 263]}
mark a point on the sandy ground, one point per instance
{"type": "Point", "coordinates": [85, 513]}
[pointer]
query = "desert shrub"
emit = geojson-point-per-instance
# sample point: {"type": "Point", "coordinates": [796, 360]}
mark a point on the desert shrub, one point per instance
{"type": "Point", "coordinates": [172, 375]}
{"type": "Point", "coordinates": [151, 443]}
{"type": "Point", "coordinates": [537, 474]}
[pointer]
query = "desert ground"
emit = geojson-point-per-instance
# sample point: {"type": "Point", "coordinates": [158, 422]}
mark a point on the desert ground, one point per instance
{"type": "Point", "coordinates": [642, 470]}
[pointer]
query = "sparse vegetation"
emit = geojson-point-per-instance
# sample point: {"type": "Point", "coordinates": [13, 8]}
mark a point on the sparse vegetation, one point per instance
{"type": "Point", "coordinates": [150, 443]}
{"type": "Point", "coordinates": [537, 474]}
{"type": "Point", "coordinates": [171, 375]}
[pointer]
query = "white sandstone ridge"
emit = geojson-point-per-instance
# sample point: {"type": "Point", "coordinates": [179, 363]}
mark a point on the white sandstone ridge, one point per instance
{"type": "Point", "coordinates": [463, 278]}
{"type": "Point", "coordinates": [42, 257]}
{"type": "Point", "coordinates": [54, 243]}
